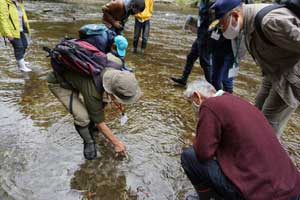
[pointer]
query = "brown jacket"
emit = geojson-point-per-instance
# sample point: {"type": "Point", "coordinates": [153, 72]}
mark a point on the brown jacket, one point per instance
{"type": "Point", "coordinates": [113, 13]}
{"type": "Point", "coordinates": [279, 62]}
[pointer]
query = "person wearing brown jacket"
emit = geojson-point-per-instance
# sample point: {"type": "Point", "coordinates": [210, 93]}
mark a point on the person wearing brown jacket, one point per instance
{"type": "Point", "coordinates": [279, 58]}
{"type": "Point", "coordinates": [116, 12]}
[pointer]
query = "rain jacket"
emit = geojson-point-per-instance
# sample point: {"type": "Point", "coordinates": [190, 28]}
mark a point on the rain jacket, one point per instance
{"type": "Point", "coordinates": [281, 61]}
{"type": "Point", "coordinates": [147, 13]}
{"type": "Point", "coordinates": [9, 19]}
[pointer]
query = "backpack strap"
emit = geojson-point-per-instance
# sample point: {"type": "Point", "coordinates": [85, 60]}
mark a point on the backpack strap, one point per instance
{"type": "Point", "coordinates": [259, 17]}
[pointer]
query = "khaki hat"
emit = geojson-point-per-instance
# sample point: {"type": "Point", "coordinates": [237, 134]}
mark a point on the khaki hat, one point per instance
{"type": "Point", "coordinates": [122, 84]}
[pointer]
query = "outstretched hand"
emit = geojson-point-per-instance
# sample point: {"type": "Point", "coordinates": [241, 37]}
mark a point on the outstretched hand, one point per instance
{"type": "Point", "coordinates": [120, 149]}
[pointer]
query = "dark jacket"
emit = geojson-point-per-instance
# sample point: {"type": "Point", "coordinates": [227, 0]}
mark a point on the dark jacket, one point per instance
{"type": "Point", "coordinates": [104, 44]}
{"type": "Point", "coordinates": [247, 149]}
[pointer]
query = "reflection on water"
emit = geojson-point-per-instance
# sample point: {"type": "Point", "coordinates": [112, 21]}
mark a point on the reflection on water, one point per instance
{"type": "Point", "coordinates": [41, 152]}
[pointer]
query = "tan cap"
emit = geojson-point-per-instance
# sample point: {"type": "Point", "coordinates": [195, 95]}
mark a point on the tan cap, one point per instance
{"type": "Point", "coordinates": [122, 84]}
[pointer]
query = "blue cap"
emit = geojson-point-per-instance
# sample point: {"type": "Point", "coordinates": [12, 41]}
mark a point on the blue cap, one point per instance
{"type": "Point", "coordinates": [221, 7]}
{"type": "Point", "coordinates": [121, 44]}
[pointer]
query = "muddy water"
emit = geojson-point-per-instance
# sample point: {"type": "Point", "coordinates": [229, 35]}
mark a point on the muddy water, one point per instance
{"type": "Point", "coordinates": [40, 152]}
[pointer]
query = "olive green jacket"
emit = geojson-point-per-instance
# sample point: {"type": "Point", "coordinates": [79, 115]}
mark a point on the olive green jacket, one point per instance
{"type": "Point", "coordinates": [279, 62]}
{"type": "Point", "coordinates": [9, 19]}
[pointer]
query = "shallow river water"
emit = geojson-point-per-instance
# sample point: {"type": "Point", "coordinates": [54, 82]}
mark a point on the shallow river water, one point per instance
{"type": "Point", "coordinates": [40, 151]}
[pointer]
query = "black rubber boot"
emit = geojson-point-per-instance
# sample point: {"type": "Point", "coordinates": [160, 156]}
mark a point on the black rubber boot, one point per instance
{"type": "Point", "coordinates": [93, 130]}
{"type": "Point", "coordinates": [89, 148]}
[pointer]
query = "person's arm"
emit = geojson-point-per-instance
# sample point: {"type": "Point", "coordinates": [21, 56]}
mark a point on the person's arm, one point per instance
{"type": "Point", "coordinates": [151, 7]}
{"type": "Point", "coordinates": [106, 131]}
{"type": "Point", "coordinates": [106, 9]}
{"type": "Point", "coordinates": [4, 20]}
{"type": "Point", "coordinates": [94, 104]}
{"type": "Point", "coordinates": [283, 30]}
{"type": "Point", "coordinates": [208, 134]}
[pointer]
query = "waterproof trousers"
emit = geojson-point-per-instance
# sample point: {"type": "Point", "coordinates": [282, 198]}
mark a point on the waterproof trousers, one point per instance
{"type": "Point", "coordinates": [72, 103]}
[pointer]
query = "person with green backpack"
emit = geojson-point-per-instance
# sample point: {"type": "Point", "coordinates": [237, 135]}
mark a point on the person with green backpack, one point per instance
{"type": "Point", "coordinates": [272, 37]}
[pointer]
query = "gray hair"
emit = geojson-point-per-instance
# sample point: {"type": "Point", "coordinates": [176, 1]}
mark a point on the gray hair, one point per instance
{"type": "Point", "coordinates": [202, 86]}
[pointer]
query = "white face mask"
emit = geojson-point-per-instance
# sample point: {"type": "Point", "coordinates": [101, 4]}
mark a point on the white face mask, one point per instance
{"type": "Point", "coordinates": [232, 32]}
{"type": "Point", "coordinates": [196, 107]}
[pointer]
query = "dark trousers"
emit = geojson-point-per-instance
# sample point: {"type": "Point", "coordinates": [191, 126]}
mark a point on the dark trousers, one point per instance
{"type": "Point", "coordinates": [208, 175]}
{"type": "Point", "coordinates": [139, 27]}
{"type": "Point", "coordinates": [20, 45]}
{"type": "Point", "coordinates": [221, 63]}
{"type": "Point", "coordinates": [198, 50]}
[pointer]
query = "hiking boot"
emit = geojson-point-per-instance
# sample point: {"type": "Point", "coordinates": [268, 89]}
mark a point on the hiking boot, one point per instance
{"type": "Point", "coordinates": [22, 66]}
{"type": "Point", "coordinates": [142, 51]}
{"type": "Point", "coordinates": [180, 80]}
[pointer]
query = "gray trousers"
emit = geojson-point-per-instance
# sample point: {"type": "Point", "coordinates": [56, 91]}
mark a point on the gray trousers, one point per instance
{"type": "Point", "coordinates": [76, 107]}
{"type": "Point", "coordinates": [273, 107]}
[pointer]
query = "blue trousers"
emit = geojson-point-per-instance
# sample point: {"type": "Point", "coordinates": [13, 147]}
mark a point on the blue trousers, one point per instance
{"type": "Point", "coordinates": [208, 174]}
{"type": "Point", "coordinates": [20, 45]}
{"type": "Point", "coordinates": [221, 63]}
{"type": "Point", "coordinates": [139, 27]}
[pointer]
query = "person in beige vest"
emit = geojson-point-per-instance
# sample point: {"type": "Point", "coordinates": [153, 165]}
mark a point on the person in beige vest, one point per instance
{"type": "Point", "coordinates": [279, 94]}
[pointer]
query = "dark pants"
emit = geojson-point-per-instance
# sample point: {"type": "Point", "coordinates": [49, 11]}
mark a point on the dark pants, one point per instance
{"type": "Point", "coordinates": [221, 63]}
{"type": "Point", "coordinates": [139, 27]}
{"type": "Point", "coordinates": [208, 174]}
{"type": "Point", "coordinates": [198, 50]}
{"type": "Point", "coordinates": [20, 45]}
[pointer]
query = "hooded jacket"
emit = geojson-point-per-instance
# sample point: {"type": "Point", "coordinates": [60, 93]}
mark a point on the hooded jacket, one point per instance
{"type": "Point", "coordinates": [9, 19]}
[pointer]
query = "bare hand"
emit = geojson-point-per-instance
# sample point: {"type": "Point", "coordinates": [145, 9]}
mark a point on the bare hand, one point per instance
{"type": "Point", "coordinates": [118, 25]}
{"type": "Point", "coordinates": [120, 147]}
{"type": "Point", "coordinates": [10, 38]}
